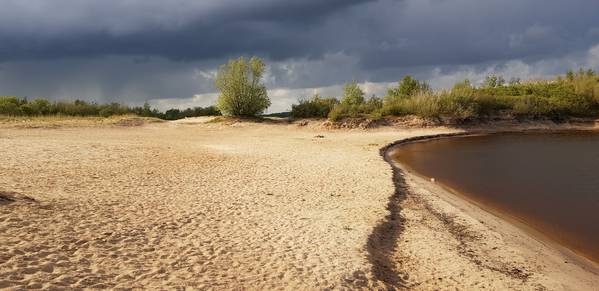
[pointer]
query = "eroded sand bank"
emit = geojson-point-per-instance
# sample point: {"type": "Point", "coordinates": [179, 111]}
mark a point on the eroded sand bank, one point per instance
{"type": "Point", "coordinates": [250, 206]}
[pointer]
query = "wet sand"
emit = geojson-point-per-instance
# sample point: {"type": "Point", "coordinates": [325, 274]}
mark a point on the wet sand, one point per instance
{"type": "Point", "coordinates": [247, 206]}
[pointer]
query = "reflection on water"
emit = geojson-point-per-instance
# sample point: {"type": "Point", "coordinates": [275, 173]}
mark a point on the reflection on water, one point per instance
{"type": "Point", "coordinates": [550, 181]}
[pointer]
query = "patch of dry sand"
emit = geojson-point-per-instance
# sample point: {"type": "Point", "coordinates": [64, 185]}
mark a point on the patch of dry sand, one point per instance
{"type": "Point", "coordinates": [250, 206]}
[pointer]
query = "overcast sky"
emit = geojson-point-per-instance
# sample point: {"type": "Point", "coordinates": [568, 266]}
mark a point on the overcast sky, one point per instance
{"type": "Point", "coordinates": [167, 51]}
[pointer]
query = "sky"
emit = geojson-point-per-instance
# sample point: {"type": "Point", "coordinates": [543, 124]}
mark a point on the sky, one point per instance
{"type": "Point", "coordinates": [167, 52]}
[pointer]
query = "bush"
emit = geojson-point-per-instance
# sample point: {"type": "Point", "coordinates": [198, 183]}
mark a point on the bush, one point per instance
{"type": "Point", "coordinates": [408, 87]}
{"type": "Point", "coordinates": [10, 105]}
{"type": "Point", "coordinates": [14, 106]}
{"type": "Point", "coordinates": [354, 105]}
{"type": "Point", "coordinates": [352, 94]}
{"type": "Point", "coordinates": [112, 109]}
{"type": "Point", "coordinates": [241, 91]}
{"type": "Point", "coordinates": [576, 95]}
{"type": "Point", "coordinates": [370, 109]}
{"type": "Point", "coordinates": [41, 106]}
{"type": "Point", "coordinates": [535, 107]}
{"type": "Point", "coordinates": [339, 112]}
{"type": "Point", "coordinates": [493, 81]}
{"type": "Point", "coordinates": [315, 107]}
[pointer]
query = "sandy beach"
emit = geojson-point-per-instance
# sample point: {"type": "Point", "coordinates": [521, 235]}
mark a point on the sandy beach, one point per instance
{"type": "Point", "coordinates": [274, 205]}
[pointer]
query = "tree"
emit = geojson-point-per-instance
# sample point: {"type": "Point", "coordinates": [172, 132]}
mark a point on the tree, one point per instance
{"type": "Point", "coordinates": [352, 94]}
{"type": "Point", "coordinates": [241, 93]}
{"type": "Point", "coordinates": [41, 106]}
{"type": "Point", "coordinates": [146, 110]}
{"type": "Point", "coordinates": [493, 81]}
{"type": "Point", "coordinates": [9, 105]}
{"type": "Point", "coordinates": [408, 86]}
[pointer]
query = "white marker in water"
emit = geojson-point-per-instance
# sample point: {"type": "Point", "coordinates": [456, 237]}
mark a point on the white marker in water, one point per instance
{"type": "Point", "coordinates": [433, 180]}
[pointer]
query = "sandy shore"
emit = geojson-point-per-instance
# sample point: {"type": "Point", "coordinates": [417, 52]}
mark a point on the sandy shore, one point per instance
{"type": "Point", "coordinates": [248, 206]}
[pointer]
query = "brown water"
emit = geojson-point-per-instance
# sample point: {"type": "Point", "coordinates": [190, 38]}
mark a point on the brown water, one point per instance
{"type": "Point", "coordinates": [549, 181]}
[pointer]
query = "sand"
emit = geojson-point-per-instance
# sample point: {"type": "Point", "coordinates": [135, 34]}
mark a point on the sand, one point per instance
{"type": "Point", "coordinates": [198, 205]}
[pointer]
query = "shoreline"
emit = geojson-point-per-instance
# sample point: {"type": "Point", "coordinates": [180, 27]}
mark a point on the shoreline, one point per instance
{"type": "Point", "coordinates": [484, 211]}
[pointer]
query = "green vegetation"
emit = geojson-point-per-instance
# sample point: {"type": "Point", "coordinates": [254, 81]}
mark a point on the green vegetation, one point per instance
{"type": "Point", "coordinates": [241, 91]}
{"type": "Point", "coordinates": [15, 106]}
{"type": "Point", "coordinates": [572, 95]}
{"type": "Point", "coordinates": [353, 104]}
{"type": "Point", "coordinates": [576, 94]}
{"type": "Point", "coordinates": [174, 114]}
{"type": "Point", "coordinates": [315, 107]}
{"type": "Point", "coordinates": [409, 87]}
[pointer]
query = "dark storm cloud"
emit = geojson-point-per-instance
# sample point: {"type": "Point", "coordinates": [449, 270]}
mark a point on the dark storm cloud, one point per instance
{"type": "Point", "coordinates": [455, 32]}
{"type": "Point", "coordinates": [381, 33]}
{"type": "Point", "coordinates": [143, 49]}
{"type": "Point", "coordinates": [177, 30]}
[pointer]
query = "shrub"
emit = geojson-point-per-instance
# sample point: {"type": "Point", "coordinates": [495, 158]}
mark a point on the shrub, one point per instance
{"type": "Point", "coordinates": [458, 108]}
{"type": "Point", "coordinates": [408, 87]}
{"type": "Point", "coordinates": [352, 94]}
{"type": "Point", "coordinates": [14, 106]}
{"type": "Point", "coordinates": [241, 91]}
{"type": "Point", "coordinates": [114, 108]}
{"type": "Point", "coordinates": [41, 106]}
{"type": "Point", "coordinates": [488, 105]}
{"type": "Point", "coordinates": [493, 81]}
{"type": "Point", "coordinates": [463, 87]}
{"type": "Point", "coordinates": [370, 109]}
{"type": "Point", "coordinates": [339, 112]}
{"type": "Point", "coordinates": [314, 107]}
{"type": "Point", "coordinates": [10, 105]}
{"type": "Point", "coordinates": [353, 104]}
{"type": "Point", "coordinates": [534, 107]}
{"type": "Point", "coordinates": [28, 109]}
{"type": "Point", "coordinates": [573, 95]}
{"type": "Point", "coordinates": [174, 114]}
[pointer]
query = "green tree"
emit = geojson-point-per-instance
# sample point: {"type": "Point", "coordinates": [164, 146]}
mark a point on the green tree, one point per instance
{"type": "Point", "coordinates": [408, 86]}
{"type": "Point", "coordinates": [146, 110]}
{"type": "Point", "coordinates": [352, 94]}
{"type": "Point", "coordinates": [9, 105]}
{"type": "Point", "coordinates": [241, 93]}
{"type": "Point", "coordinates": [494, 81]}
{"type": "Point", "coordinates": [41, 106]}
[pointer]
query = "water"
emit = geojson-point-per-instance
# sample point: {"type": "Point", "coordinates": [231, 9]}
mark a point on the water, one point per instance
{"type": "Point", "coordinates": [549, 181]}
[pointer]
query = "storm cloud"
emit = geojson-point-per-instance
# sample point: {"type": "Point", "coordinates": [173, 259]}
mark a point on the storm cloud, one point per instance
{"type": "Point", "coordinates": [162, 50]}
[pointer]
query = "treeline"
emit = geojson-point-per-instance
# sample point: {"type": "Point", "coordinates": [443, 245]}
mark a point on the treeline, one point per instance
{"type": "Point", "coordinates": [15, 106]}
{"type": "Point", "coordinates": [575, 94]}
{"type": "Point", "coordinates": [571, 95]}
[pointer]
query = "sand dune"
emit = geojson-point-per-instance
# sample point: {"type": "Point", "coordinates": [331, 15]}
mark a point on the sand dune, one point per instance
{"type": "Point", "coordinates": [243, 206]}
